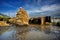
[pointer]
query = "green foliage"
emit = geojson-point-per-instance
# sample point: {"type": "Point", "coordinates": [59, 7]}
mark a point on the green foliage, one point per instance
{"type": "Point", "coordinates": [56, 23]}
{"type": "Point", "coordinates": [5, 18]}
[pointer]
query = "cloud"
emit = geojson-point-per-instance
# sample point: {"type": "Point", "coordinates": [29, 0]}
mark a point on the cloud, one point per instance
{"type": "Point", "coordinates": [11, 13]}
{"type": "Point", "coordinates": [50, 7]}
{"type": "Point", "coordinates": [45, 8]}
{"type": "Point", "coordinates": [38, 14]}
{"type": "Point", "coordinates": [7, 4]}
{"type": "Point", "coordinates": [37, 2]}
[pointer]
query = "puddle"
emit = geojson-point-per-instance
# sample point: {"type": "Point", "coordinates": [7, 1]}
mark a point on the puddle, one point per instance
{"type": "Point", "coordinates": [31, 33]}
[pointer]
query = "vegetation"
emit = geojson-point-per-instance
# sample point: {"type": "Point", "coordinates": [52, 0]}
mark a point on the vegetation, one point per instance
{"type": "Point", "coordinates": [56, 23]}
{"type": "Point", "coordinates": [4, 18]}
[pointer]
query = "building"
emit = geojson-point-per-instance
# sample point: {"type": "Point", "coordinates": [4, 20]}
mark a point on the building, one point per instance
{"type": "Point", "coordinates": [40, 20]}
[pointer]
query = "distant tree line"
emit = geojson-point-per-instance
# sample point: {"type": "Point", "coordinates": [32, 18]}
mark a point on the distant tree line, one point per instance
{"type": "Point", "coordinates": [4, 18]}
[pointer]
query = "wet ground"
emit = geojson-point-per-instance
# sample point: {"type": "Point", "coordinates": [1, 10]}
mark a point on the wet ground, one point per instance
{"type": "Point", "coordinates": [37, 32]}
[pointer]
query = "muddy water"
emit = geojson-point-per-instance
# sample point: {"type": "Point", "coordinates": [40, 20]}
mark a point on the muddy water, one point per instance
{"type": "Point", "coordinates": [44, 32]}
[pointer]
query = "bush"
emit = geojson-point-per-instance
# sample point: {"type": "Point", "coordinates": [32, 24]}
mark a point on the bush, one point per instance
{"type": "Point", "coordinates": [56, 23]}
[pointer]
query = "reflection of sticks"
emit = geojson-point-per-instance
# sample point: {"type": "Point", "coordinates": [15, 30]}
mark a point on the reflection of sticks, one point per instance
{"type": "Point", "coordinates": [45, 27]}
{"type": "Point", "coordinates": [42, 27]}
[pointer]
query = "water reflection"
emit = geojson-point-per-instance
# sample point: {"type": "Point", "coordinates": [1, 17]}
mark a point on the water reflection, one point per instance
{"type": "Point", "coordinates": [8, 34]}
{"type": "Point", "coordinates": [22, 32]}
{"type": "Point", "coordinates": [41, 32]}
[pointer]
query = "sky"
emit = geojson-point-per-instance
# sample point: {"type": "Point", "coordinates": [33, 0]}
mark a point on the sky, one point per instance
{"type": "Point", "coordinates": [33, 7]}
